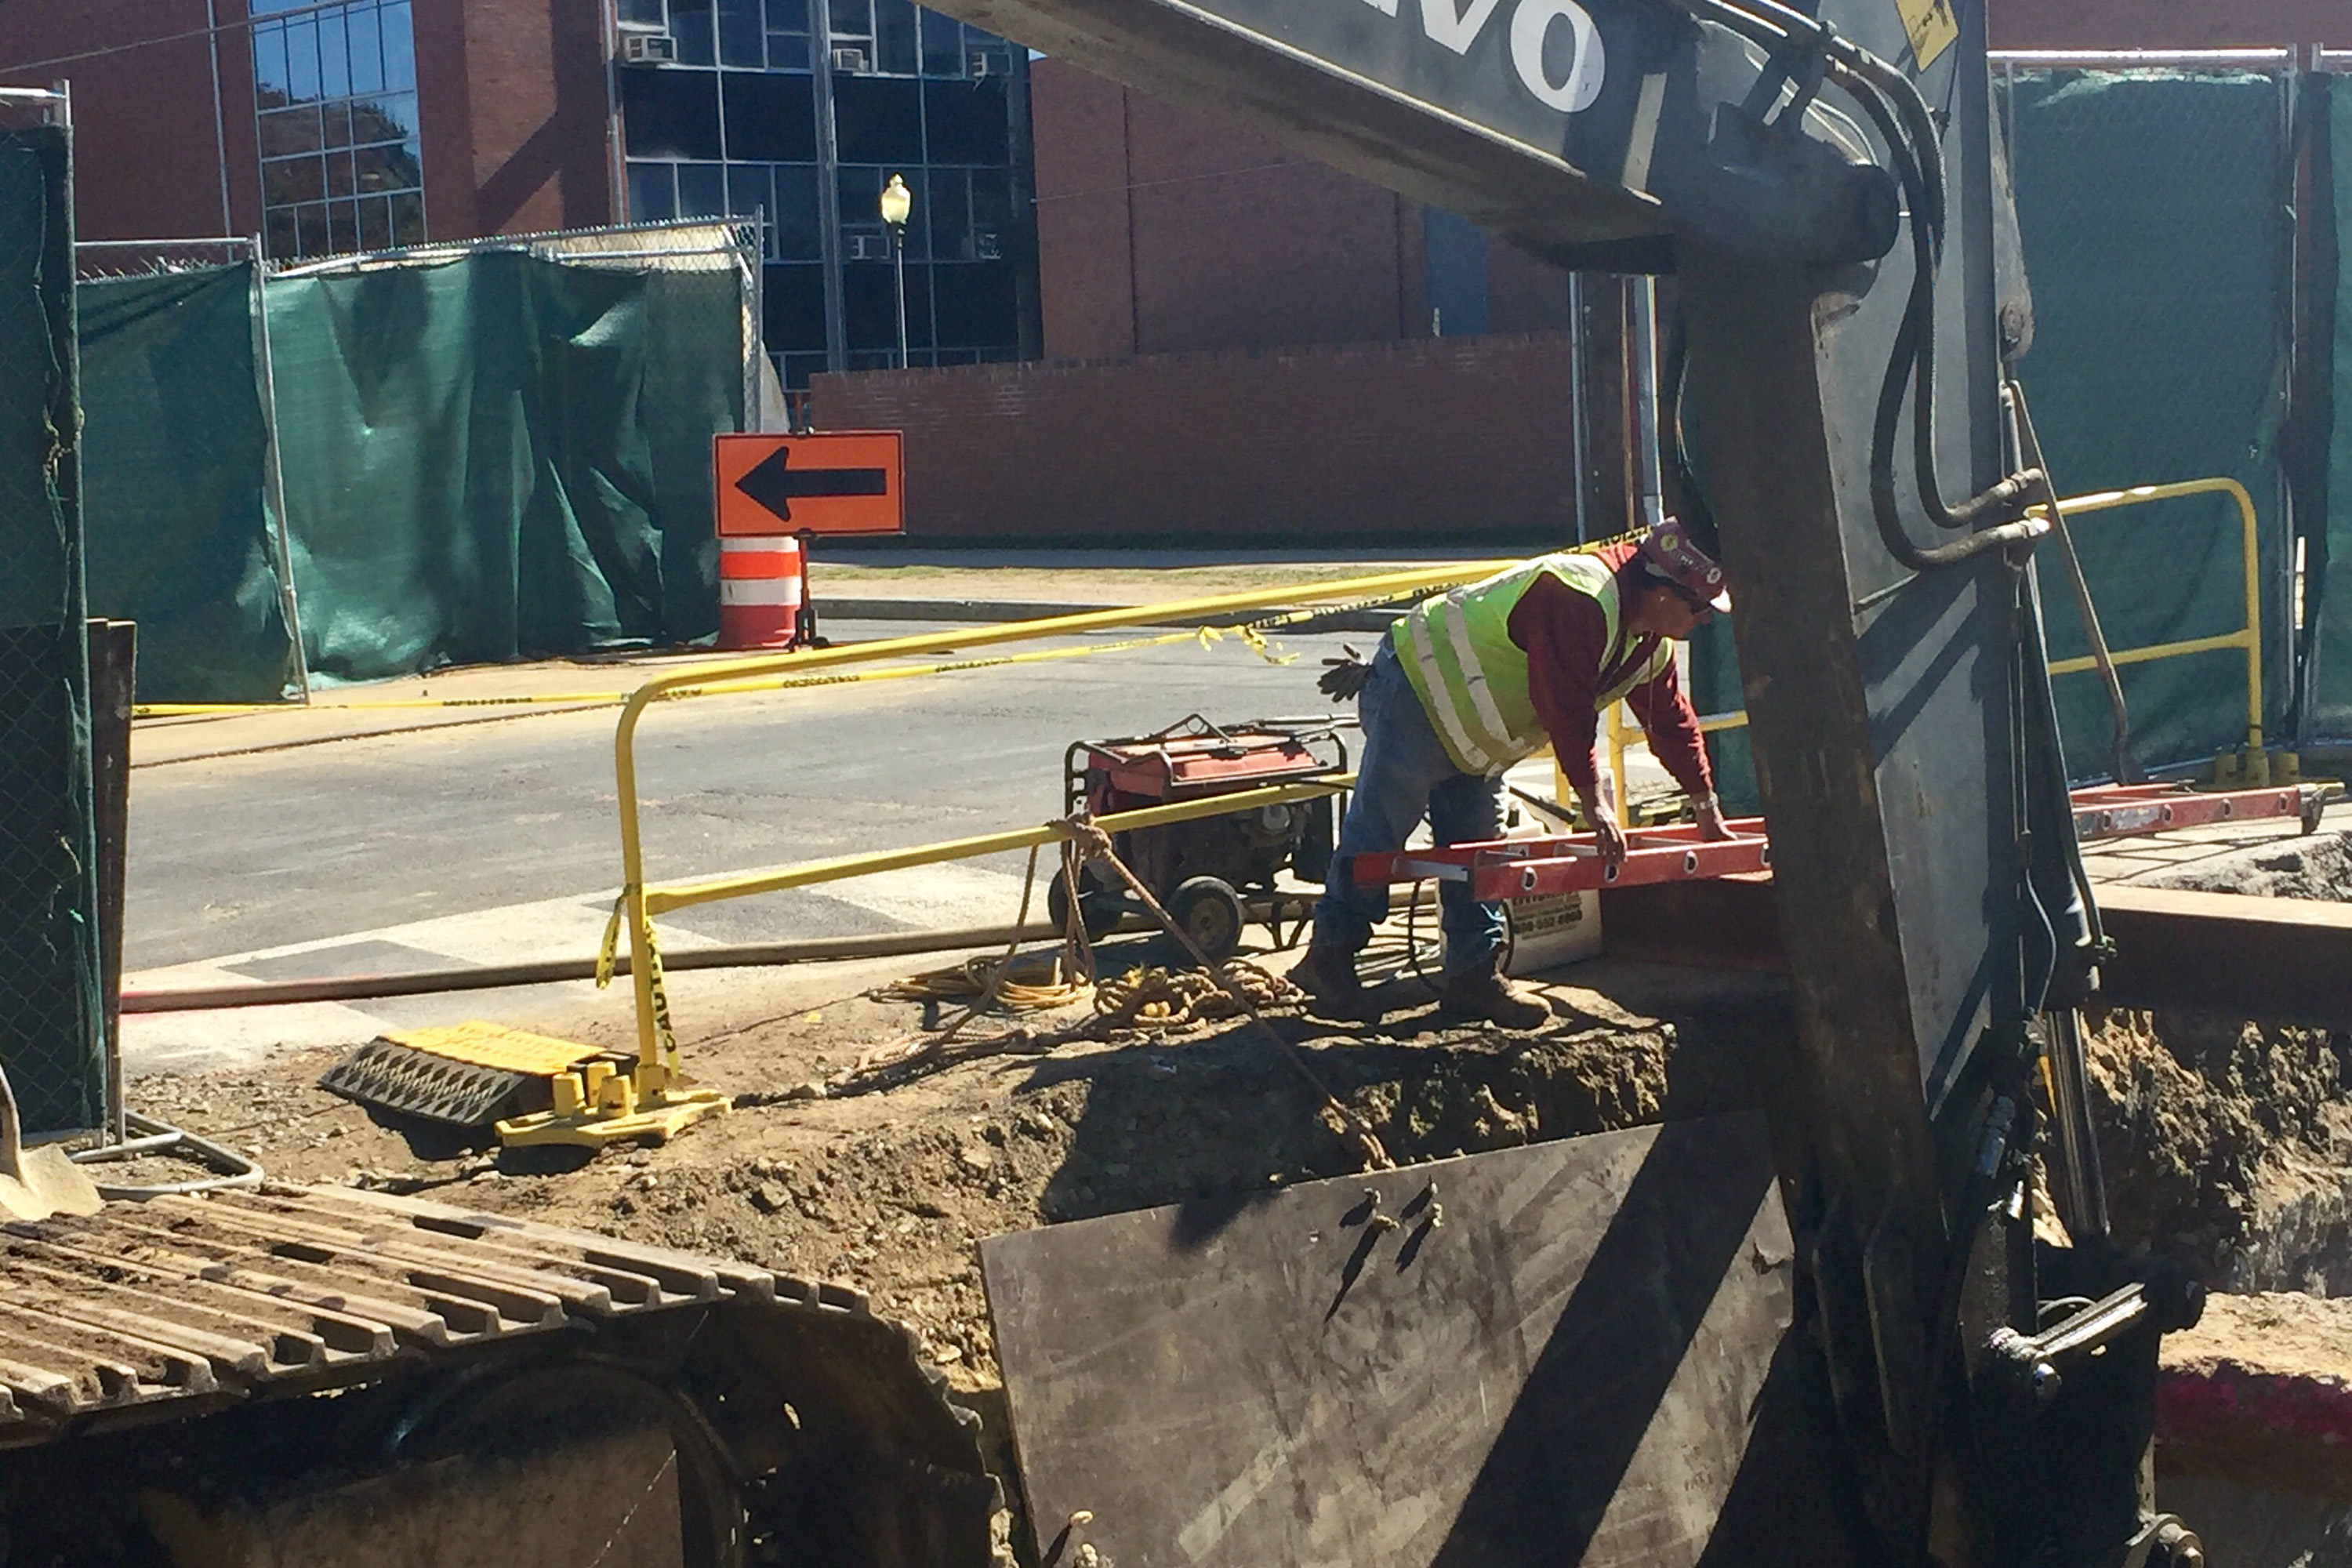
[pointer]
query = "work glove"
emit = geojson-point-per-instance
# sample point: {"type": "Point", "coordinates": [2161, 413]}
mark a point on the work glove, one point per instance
{"type": "Point", "coordinates": [1343, 679]}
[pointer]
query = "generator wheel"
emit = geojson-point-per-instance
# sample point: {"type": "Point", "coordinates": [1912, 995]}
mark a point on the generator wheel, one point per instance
{"type": "Point", "coordinates": [1207, 909]}
{"type": "Point", "coordinates": [1098, 911]}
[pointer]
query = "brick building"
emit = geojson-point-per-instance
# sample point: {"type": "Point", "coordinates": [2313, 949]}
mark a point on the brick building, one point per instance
{"type": "Point", "coordinates": [349, 125]}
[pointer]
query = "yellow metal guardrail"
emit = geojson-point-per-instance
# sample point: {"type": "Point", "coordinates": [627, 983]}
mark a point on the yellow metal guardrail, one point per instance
{"type": "Point", "coordinates": [650, 1100]}
{"type": "Point", "coordinates": [2248, 637]}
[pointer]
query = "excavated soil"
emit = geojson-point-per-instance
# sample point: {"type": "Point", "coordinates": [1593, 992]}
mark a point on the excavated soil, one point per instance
{"type": "Point", "coordinates": [2230, 1144]}
{"type": "Point", "coordinates": [2227, 1144]}
{"type": "Point", "coordinates": [888, 1181]}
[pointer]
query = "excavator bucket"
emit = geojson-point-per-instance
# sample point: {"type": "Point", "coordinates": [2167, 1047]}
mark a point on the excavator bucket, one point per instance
{"type": "Point", "coordinates": [1573, 1352]}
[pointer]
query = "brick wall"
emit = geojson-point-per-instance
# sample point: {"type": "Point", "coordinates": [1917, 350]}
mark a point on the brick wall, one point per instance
{"type": "Point", "coordinates": [147, 145]}
{"type": "Point", "coordinates": [510, 94]}
{"type": "Point", "coordinates": [514, 116]}
{"type": "Point", "coordinates": [2167, 24]}
{"type": "Point", "coordinates": [1422, 442]}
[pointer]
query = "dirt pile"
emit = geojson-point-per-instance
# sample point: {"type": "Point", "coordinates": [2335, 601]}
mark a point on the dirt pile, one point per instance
{"type": "Point", "coordinates": [2314, 865]}
{"type": "Point", "coordinates": [890, 1188]}
{"type": "Point", "coordinates": [2227, 1144]}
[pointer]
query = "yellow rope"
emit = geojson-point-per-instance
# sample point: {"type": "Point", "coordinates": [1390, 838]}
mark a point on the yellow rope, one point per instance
{"type": "Point", "coordinates": [1030, 982]}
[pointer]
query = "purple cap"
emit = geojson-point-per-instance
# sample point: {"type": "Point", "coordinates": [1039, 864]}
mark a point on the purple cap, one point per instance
{"type": "Point", "coordinates": [1668, 549]}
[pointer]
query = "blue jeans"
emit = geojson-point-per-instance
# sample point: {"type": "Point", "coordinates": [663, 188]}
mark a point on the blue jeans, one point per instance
{"type": "Point", "coordinates": [1402, 774]}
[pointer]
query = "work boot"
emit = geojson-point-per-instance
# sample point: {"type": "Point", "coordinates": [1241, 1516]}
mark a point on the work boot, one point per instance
{"type": "Point", "coordinates": [1327, 976]}
{"type": "Point", "coordinates": [1484, 992]}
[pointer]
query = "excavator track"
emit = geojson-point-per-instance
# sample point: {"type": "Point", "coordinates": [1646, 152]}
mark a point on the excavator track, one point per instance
{"type": "Point", "coordinates": [212, 1357]}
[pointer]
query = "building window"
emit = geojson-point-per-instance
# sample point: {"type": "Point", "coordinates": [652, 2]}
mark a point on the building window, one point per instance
{"type": "Point", "coordinates": [732, 126]}
{"type": "Point", "coordinates": [335, 107]}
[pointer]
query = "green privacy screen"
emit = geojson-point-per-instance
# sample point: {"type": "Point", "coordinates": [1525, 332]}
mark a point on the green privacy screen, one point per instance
{"type": "Point", "coordinates": [173, 487]}
{"type": "Point", "coordinates": [49, 1015]}
{"type": "Point", "coordinates": [2330, 671]}
{"type": "Point", "coordinates": [484, 458]}
{"type": "Point", "coordinates": [2154, 213]}
{"type": "Point", "coordinates": [502, 455]}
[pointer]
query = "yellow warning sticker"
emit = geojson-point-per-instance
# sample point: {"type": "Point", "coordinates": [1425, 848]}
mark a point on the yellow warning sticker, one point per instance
{"type": "Point", "coordinates": [1931, 27]}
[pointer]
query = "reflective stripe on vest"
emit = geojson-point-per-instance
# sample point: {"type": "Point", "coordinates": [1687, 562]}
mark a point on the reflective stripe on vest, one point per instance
{"type": "Point", "coordinates": [1471, 678]}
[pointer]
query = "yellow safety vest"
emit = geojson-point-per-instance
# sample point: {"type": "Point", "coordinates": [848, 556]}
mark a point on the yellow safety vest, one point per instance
{"type": "Point", "coordinates": [1458, 652]}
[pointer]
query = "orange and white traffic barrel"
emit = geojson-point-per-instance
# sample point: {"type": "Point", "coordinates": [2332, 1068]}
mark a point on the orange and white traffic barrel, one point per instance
{"type": "Point", "coordinates": [758, 591]}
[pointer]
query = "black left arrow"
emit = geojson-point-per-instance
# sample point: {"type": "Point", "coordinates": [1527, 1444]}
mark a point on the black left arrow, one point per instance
{"type": "Point", "coordinates": [775, 484]}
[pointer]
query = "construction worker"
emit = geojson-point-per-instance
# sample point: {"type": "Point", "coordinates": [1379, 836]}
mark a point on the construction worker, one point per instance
{"type": "Point", "coordinates": [1474, 680]}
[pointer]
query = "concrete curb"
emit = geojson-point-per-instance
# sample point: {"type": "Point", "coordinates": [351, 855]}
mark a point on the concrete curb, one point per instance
{"type": "Point", "coordinates": [830, 607]}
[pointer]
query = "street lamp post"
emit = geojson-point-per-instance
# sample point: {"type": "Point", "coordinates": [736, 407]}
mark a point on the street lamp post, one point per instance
{"type": "Point", "coordinates": [897, 201]}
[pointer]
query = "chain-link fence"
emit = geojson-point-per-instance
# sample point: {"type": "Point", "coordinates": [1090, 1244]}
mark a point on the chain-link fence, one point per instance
{"type": "Point", "coordinates": [50, 1016]}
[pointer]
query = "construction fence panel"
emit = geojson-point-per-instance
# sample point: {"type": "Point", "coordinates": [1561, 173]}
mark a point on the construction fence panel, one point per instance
{"type": "Point", "coordinates": [176, 444]}
{"type": "Point", "coordinates": [2154, 213]}
{"type": "Point", "coordinates": [51, 1022]}
{"type": "Point", "coordinates": [2328, 541]}
{"type": "Point", "coordinates": [502, 455]}
{"type": "Point", "coordinates": [2155, 210]}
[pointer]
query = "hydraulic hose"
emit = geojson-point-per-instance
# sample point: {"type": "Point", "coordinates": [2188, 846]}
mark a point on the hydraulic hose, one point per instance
{"type": "Point", "coordinates": [1891, 101]}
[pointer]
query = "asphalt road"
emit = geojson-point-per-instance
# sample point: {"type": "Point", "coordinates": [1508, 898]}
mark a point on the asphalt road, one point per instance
{"type": "Point", "coordinates": [505, 834]}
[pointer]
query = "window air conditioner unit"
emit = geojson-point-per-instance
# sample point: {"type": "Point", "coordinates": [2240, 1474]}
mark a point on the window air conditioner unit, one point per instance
{"type": "Point", "coordinates": [649, 49]}
{"type": "Point", "coordinates": [985, 246]}
{"type": "Point", "coordinates": [978, 63]}
{"type": "Point", "coordinates": [869, 247]}
{"type": "Point", "coordinates": [850, 62]}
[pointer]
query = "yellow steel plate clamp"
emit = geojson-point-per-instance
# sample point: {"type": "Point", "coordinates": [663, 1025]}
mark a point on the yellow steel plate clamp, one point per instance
{"type": "Point", "coordinates": [595, 1102]}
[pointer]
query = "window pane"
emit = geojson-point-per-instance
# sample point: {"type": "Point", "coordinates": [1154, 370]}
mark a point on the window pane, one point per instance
{"type": "Point", "coordinates": [771, 117]}
{"type": "Point", "coordinates": [335, 125]}
{"type": "Point", "coordinates": [278, 231]}
{"type": "Point", "coordinates": [747, 190]}
{"type": "Point", "coordinates": [645, 13]}
{"type": "Point", "coordinates": [339, 175]}
{"type": "Point", "coordinates": [797, 234]}
{"type": "Point", "coordinates": [869, 313]}
{"type": "Point", "coordinates": [742, 38]}
{"type": "Point", "coordinates": [334, 57]}
{"type": "Point", "coordinates": [792, 306]}
{"type": "Point", "coordinates": [877, 120]}
{"type": "Point", "coordinates": [393, 168]}
{"type": "Point", "coordinates": [653, 193]}
{"type": "Point", "coordinates": [689, 24]}
{"type": "Point", "coordinates": [894, 36]}
{"type": "Point", "coordinates": [389, 118]}
{"type": "Point", "coordinates": [269, 65]}
{"type": "Point", "coordinates": [286, 181]}
{"type": "Point", "coordinates": [375, 224]}
{"type": "Point", "coordinates": [992, 199]}
{"type": "Point", "coordinates": [343, 226]}
{"type": "Point", "coordinates": [311, 226]}
{"type": "Point", "coordinates": [858, 192]}
{"type": "Point", "coordinates": [786, 18]}
{"type": "Point", "coordinates": [850, 19]}
{"type": "Point", "coordinates": [671, 113]}
{"type": "Point", "coordinates": [399, 48]}
{"type": "Point", "coordinates": [408, 220]}
{"type": "Point", "coordinates": [367, 50]}
{"type": "Point", "coordinates": [951, 214]}
{"type": "Point", "coordinates": [702, 191]}
{"type": "Point", "coordinates": [942, 44]}
{"type": "Point", "coordinates": [968, 121]}
{"type": "Point", "coordinates": [290, 131]}
{"type": "Point", "coordinates": [301, 60]}
{"type": "Point", "coordinates": [975, 305]}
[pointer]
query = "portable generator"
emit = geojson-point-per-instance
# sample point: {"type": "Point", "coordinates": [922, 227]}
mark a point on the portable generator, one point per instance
{"type": "Point", "coordinates": [1200, 870]}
